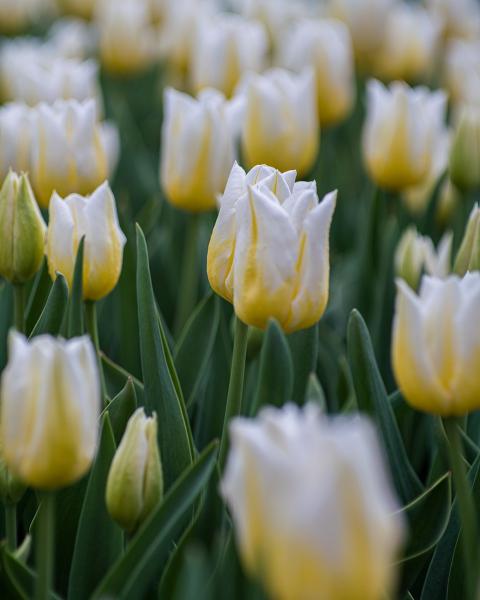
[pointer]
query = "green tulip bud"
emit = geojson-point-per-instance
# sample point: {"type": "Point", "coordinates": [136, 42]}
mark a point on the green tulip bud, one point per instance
{"type": "Point", "coordinates": [468, 257]}
{"type": "Point", "coordinates": [465, 152]}
{"type": "Point", "coordinates": [135, 481]}
{"type": "Point", "coordinates": [22, 230]}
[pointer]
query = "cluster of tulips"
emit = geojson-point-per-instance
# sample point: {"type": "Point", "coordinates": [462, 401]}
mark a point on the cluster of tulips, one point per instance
{"type": "Point", "coordinates": [240, 299]}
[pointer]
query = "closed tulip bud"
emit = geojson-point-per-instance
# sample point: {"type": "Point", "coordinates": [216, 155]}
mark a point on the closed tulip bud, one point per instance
{"type": "Point", "coordinates": [15, 138]}
{"type": "Point", "coordinates": [281, 124]}
{"type": "Point", "coordinates": [465, 152]}
{"type": "Point", "coordinates": [127, 37]}
{"type": "Point", "coordinates": [225, 47]}
{"type": "Point", "coordinates": [314, 512]}
{"type": "Point", "coordinates": [135, 481]}
{"type": "Point", "coordinates": [269, 250]}
{"type": "Point", "coordinates": [416, 254]}
{"type": "Point", "coordinates": [197, 148]}
{"type": "Point", "coordinates": [326, 46]}
{"type": "Point", "coordinates": [22, 230]}
{"type": "Point", "coordinates": [50, 405]}
{"type": "Point", "coordinates": [400, 133]}
{"type": "Point", "coordinates": [94, 218]}
{"type": "Point", "coordinates": [410, 44]}
{"type": "Point", "coordinates": [468, 257]}
{"type": "Point", "coordinates": [435, 349]}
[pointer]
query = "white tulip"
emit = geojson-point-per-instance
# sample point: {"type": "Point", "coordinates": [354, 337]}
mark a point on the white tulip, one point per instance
{"type": "Point", "coordinates": [15, 138]}
{"type": "Point", "coordinates": [462, 72]}
{"type": "Point", "coordinates": [326, 46]}
{"type": "Point", "coordinates": [50, 406]}
{"type": "Point", "coordinates": [314, 512]}
{"type": "Point", "coordinates": [72, 38]}
{"type": "Point", "coordinates": [460, 18]}
{"type": "Point", "coordinates": [269, 250]}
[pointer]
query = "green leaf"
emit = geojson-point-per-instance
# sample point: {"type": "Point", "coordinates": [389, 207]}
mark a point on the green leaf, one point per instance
{"type": "Point", "coordinates": [50, 320]}
{"type": "Point", "coordinates": [275, 379]}
{"type": "Point", "coordinates": [304, 351]}
{"type": "Point", "coordinates": [140, 566]}
{"type": "Point", "coordinates": [372, 398]}
{"type": "Point", "coordinates": [38, 296]}
{"type": "Point", "coordinates": [161, 395]}
{"type": "Point", "coordinates": [195, 347]}
{"type": "Point", "coordinates": [96, 529]}
{"type": "Point", "coordinates": [117, 377]}
{"type": "Point", "coordinates": [121, 408]}
{"type": "Point", "coordinates": [75, 326]}
{"type": "Point", "coordinates": [315, 392]}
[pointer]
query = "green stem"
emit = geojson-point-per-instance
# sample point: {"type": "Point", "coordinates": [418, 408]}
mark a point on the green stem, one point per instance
{"type": "Point", "coordinates": [466, 506]}
{"type": "Point", "coordinates": [19, 306]}
{"type": "Point", "coordinates": [235, 387]}
{"type": "Point", "coordinates": [44, 546]}
{"type": "Point", "coordinates": [11, 525]}
{"type": "Point", "coordinates": [189, 275]}
{"type": "Point", "coordinates": [92, 328]}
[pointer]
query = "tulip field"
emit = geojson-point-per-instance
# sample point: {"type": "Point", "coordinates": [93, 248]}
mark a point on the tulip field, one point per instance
{"type": "Point", "coordinates": [239, 299]}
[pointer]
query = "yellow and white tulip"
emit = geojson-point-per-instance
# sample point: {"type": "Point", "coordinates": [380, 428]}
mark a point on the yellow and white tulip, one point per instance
{"type": "Point", "coordinates": [462, 72]}
{"type": "Point", "coordinates": [95, 218]}
{"type": "Point", "coordinates": [460, 18]}
{"type": "Point", "coordinates": [50, 406]}
{"type": "Point", "coordinates": [15, 138]}
{"type": "Point", "coordinates": [313, 508]}
{"type": "Point", "coordinates": [269, 250]}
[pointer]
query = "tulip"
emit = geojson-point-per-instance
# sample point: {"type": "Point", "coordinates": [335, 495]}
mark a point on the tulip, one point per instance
{"type": "Point", "coordinates": [269, 250]}
{"type": "Point", "coordinates": [70, 149]}
{"type": "Point", "coordinates": [95, 218]}
{"type": "Point", "coordinates": [281, 124]}
{"type": "Point", "coordinates": [72, 38]}
{"type": "Point", "coordinates": [435, 349]}
{"type": "Point", "coordinates": [460, 18]}
{"type": "Point", "coordinates": [468, 257]}
{"type": "Point", "coordinates": [416, 253]}
{"type": "Point", "coordinates": [366, 21]}
{"type": "Point", "coordinates": [18, 15]}
{"type": "Point", "coordinates": [326, 46]}
{"type": "Point", "coordinates": [135, 481]}
{"type": "Point", "coordinates": [22, 230]}
{"type": "Point", "coordinates": [197, 148]}
{"type": "Point", "coordinates": [15, 138]}
{"type": "Point", "coordinates": [410, 44]}
{"type": "Point", "coordinates": [226, 47]}
{"type": "Point", "coordinates": [80, 8]}
{"type": "Point", "coordinates": [314, 512]}
{"type": "Point", "coordinates": [465, 152]}
{"type": "Point", "coordinates": [462, 72]}
{"type": "Point", "coordinates": [400, 133]}
{"type": "Point", "coordinates": [127, 36]}
{"type": "Point", "coordinates": [50, 404]}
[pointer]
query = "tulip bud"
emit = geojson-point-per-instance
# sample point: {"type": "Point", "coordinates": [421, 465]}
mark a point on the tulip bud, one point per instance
{"type": "Point", "coordinates": [95, 218]}
{"type": "Point", "coordinates": [268, 254]}
{"type": "Point", "coordinates": [400, 133]}
{"type": "Point", "coordinates": [326, 46]}
{"type": "Point", "coordinates": [197, 148]}
{"type": "Point", "coordinates": [468, 257]}
{"type": "Point", "coordinates": [135, 481]}
{"type": "Point", "coordinates": [22, 230]}
{"type": "Point", "coordinates": [281, 124]}
{"type": "Point", "coordinates": [241, 43]}
{"type": "Point", "coordinates": [435, 349]}
{"type": "Point", "coordinates": [465, 152]}
{"type": "Point", "coordinates": [314, 512]}
{"type": "Point", "coordinates": [50, 405]}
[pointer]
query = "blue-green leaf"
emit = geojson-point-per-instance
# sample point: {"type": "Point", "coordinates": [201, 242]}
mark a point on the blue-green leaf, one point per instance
{"type": "Point", "coordinates": [51, 318]}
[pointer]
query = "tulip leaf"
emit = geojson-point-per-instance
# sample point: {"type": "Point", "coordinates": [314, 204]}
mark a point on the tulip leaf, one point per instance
{"type": "Point", "coordinates": [441, 568]}
{"type": "Point", "coordinates": [275, 378]}
{"type": "Point", "coordinates": [121, 409]}
{"type": "Point", "coordinates": [315, 393]}
{"type": "Point", "coordinates": [372, 398]}
{"type": "Point", "coordinates": [304, 352]}
{"type": "Point", "coordinates": [20, 578]}
{"type": "Point", "coordinates": [75, 325]}
{"type": "Point", "coordinates": [50, 321]}
{"type": "Point", "coordinates": [195, 347]}
{"type": "Point", "coordinates": [116, 378]}
{"type": "Point", "coordinates": [161, 394]}
{"type": "Point", "coordinates": [141, 564]}
{"type": "Point", "coordinates": [96, 529]}
{"type": "Point", "coordinates": [37, 297]}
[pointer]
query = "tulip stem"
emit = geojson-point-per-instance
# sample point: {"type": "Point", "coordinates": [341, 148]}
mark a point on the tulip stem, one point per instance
{"type": "Point", "coordinates": [235, 387]}
{"type": "Point", "coordinates": [92, 328]}
{"type": "Point", "coordinates": [19, 306]}
{"type": "Point", "coordinates": [11, 525]}
{"type": "Point", "coordinates": [44, 546]}
{"type": "Point", "coordinates": [466, 506]}
{"type": "Point", "coordinates": [189, 275]}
